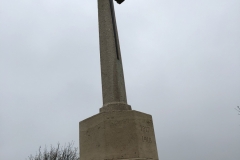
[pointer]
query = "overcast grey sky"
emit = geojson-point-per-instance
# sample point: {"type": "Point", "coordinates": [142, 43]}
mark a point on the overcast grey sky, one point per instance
{"type": "Point", "coordinates": [181, 62]}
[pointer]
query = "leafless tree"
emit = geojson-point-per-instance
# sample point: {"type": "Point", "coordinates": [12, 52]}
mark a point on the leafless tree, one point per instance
{"type": "Point", "coordinates": [238, 109]}
{"type": "Point", "coordinates": [64, 153]}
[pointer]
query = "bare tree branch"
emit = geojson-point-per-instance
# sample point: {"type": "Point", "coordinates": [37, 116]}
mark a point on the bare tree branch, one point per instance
{"type": "Point", "coordinates": [238, 109]}
{"type": "Point", "coordinates": [68, 152]}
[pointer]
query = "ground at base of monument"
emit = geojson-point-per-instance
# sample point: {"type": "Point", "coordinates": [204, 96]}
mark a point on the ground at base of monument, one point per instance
{"type": "Point", "coordinates": [138, 159]}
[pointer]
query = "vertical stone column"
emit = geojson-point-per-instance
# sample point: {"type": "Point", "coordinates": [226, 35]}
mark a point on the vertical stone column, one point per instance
{"type": "Point", "coordinates": [113, 85]}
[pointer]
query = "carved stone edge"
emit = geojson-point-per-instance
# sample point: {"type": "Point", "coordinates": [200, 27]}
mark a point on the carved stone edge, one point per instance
{"type": "Point", "coordinates": [115, 106]}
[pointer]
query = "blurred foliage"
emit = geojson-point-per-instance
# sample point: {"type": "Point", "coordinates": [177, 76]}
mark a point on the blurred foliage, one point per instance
{"type": "Point", "coordinates": [238, 109]}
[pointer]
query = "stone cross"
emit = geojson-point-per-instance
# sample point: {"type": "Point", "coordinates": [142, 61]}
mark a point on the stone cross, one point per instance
{"type": "Point", "coordinates": [117, 132]}
{"type": "Point", "coordinates": [113, 85]}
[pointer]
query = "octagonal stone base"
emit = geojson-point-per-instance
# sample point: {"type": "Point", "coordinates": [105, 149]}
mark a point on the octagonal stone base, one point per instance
{"type": "Point", "coordinates": [125, 135]}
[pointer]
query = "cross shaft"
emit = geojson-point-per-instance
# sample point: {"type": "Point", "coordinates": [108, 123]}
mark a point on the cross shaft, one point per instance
{"type": "Point", "coordinates": [113, 85]}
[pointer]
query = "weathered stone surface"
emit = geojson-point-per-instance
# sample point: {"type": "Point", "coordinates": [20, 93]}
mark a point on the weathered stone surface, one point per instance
{"type": "Point", "coordinates": [118, 135]}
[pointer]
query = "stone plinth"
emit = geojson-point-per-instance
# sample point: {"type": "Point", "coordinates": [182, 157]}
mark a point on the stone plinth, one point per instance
{"type": "Point", "coordinates": [118, 135]}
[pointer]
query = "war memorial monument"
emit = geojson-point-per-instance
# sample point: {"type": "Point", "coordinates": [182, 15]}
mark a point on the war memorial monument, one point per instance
{"type": "Point", "coordinates": [117, 132]}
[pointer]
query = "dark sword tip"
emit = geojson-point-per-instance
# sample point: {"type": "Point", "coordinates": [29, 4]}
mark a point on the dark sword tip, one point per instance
{"type": "Point", "coordinates": [119, 1]}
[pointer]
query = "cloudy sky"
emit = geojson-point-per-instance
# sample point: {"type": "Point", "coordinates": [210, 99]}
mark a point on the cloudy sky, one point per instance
{"type": "Point", "coordinates": [181, 62]}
